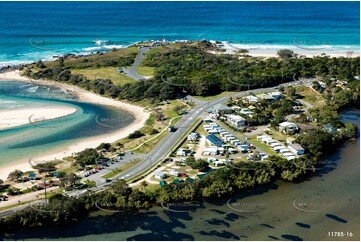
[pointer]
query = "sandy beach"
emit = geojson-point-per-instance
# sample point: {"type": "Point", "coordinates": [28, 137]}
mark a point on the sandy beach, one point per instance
{"type": "Point", "coordinates": [271, 51]}
{"type": "Point", "coordinates": [18, 117]}
{"type": "Point", "coordinates": [139, 113]}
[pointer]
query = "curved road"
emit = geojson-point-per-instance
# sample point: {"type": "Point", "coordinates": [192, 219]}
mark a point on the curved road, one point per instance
{"type": "Point", "coordinates": [132, 72]}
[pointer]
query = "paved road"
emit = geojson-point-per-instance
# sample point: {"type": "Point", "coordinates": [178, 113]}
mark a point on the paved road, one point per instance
{"type": "Point", "coordinates": [132, 72]}
{"type": "Point", "coordinates": [164, 146]}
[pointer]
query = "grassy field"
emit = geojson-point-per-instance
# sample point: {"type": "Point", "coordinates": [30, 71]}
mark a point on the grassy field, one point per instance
{"type": "Point", "coordinates": [104, 73]}
{"type": "Point", "coordinates": [310, 96]}
{"type": "Point", "coordinates": [262, 146]}
{"type": "Point", "coordinates": [210, 98]}
{"type": "Point", "coordinates": [145, 70]}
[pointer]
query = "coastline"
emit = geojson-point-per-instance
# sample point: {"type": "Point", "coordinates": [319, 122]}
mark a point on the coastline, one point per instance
{"type": "Point", "coordinates": [82, 95]}
{"type": "Point", "coordinates": [19, 117]}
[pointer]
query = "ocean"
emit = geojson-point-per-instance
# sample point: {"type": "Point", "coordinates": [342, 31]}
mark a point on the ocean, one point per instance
{"type": "Point", "coordinates": [40, 30]}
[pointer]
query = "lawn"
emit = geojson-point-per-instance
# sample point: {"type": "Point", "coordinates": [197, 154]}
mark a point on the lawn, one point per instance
{"type": "Point", "coordinates": [145, 70]}
{"type": "Point", "coordinates": [210, 98]}
{"type": "Point", "coordinates": [262, 146]}
{"type": "Point", "coordinates": [310, 96]}
{"type": "Point", "coordinates": [104, 73]}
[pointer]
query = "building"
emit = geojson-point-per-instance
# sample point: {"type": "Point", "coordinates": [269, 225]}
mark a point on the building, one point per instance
{"type": "Point", "coordinates": [288, 127]}
{"type": "Point", "coordinates": [236, 121]}
{"type": "Point", "coordinates": [214, 140]}
{"type": "Point", "coordinates": [174, 173]}
{"type": "Point", "coordinates": [193, 136]}
{"type": "Point", "coordinates": [245, 111]}
{"type": "Point", "coordinates": [296, 149]}
{"type": "Point", "coordinates": [221, 109]}
{"type": "Point", "coordinates": [160, 175]}
{"type": "Point", "coordinates": [183, 152]}
{"type": "Point", "coordinates": [251, 99]}
{"type": "Point", "coordinates": [212, 150]}
{"type": "Point", "coordinates": [276, 95]}
{"type": "Point", "coordinates": [265, 97]}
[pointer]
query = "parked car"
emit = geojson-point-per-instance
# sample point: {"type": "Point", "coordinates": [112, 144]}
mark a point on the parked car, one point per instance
{"type": "Point", "coordinates": [184, 175]}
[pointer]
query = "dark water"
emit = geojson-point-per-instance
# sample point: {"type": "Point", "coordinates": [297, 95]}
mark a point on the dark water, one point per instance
{"type": "Point", "coordinates": [327, 202]}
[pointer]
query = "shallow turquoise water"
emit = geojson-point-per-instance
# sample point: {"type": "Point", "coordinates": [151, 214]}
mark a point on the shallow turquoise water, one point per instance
{"type": "Point", "coordinates": [38, 138]}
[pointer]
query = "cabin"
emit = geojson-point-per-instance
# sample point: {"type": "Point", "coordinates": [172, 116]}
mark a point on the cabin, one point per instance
{"type": "Point", "coordinates": [160, 175]}
{"type": "Point", "coordinates": [296, 149]}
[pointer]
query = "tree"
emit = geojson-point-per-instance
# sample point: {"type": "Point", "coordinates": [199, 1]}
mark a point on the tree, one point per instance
{"type": "Point", "coordinates": [87, 157]}
{"type": "Point", "coordinates": [199, 164]}
{"type": "Point", "coordinates": [285, 53]}
{"type": "Point", "coordinates": [104, 146]}
{"type": "Point", "coordinates": [40, 64]}
{"type": "Point", "coordinates": [291, 91]}
{"type": "Point", "coordinates": [136, 134]}
{"type": "Point", "coordinates": [178, 109]}
{"type": "Point", "coordinates": [69, 180]}
{"type": "Point", "coordinates": [61, 61]}
{"type": "Point", "coordinates": [121, 187]}
{"type": "Point", "coordinates": [46, 167]}
{"type": "Point", "coordinates": [15, 175]}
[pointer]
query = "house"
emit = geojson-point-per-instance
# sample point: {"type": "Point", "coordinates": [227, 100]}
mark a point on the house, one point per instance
{"type": "Point", "coordinates": [182, 152]}
{"type": "Point", "coordinates": [265, 97]}
{"type": "Point", "coordinates": [193, 136]}
{"type": "Point", "coordinates": [174, 173]}
{"type": "Point", "coordinates": [236, 108]}
{"type": "Point", "coordinates": [160, 175]}
{"type": "Point", "coordinates": [218, 163]}
{"type": "Point", "coordinates": [245, 111]}
{"type": "Point", "coordinates": [214, 140]}
{"type": "Point", "coordinates": [236, 121]}
{"type": "Point", "coordinates": [276, 95]}
{"type": "Point", "coordinates": [329, 128]}
{"type": "Point", "coordinates": [251, 99]}
{"type": "Point", "coordinates": [212, 150]}
{"type": "Point", "coordinates": [296, 149]}
{"type": "Point", "coordinates": [190, 180]}
{"type": "Point", "coordinates": [221, 109]}
{"type": "Point", "coordinates": [288, 127]}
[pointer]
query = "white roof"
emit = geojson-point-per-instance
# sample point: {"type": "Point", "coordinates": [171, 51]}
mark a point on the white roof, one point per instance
{"type": "Point", "coordinates": [285, 124]}
{"type": "Point", "coordinates": [210, 149]}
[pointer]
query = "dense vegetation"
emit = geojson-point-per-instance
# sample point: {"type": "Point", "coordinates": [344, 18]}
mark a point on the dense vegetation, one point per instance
{"type": "Point", "coordinates": [198, 72]}
{"type": "Point", "coordinates": [228, 180]}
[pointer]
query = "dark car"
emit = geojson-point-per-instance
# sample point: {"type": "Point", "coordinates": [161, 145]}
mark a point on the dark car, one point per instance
{"type": "Point", "coordinates": [108, 180]}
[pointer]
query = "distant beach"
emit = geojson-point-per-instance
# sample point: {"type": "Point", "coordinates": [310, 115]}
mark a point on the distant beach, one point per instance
{"type": "Point", "coordinates": [139, 113]}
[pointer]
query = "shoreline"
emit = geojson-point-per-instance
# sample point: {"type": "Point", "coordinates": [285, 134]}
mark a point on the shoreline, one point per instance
{"type": "Point", "coordinates": [82, 95]}
{"type": "Point", "coordinates": [255, 50]}
{"type": "Point", "coordinates": [24, 116]}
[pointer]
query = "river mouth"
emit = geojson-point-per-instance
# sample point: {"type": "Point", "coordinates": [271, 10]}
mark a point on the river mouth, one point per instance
{"type": "Point", "coordinates": [327, 202]}
{"type": "Point", "coordinates": [46, 137]}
